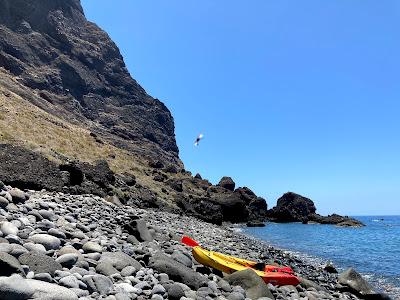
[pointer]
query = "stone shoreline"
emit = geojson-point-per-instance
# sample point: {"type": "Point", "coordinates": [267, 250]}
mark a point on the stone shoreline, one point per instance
{"type": "Point", "coordinates": [62, 247]}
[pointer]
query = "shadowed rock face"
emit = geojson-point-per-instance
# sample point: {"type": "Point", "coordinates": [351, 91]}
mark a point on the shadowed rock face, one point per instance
{"type": "Point", "coordinates": [29, 170]}
{"type": "Point", "coordinates": [80, 75]}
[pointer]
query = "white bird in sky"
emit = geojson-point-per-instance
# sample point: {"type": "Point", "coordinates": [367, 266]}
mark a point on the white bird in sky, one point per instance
{"type": "Point", "coordinates": [196, 143]}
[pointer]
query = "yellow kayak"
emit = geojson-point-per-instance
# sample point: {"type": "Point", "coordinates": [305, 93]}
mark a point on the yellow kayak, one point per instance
{"type": "Point", "coordinates": [230, 264]}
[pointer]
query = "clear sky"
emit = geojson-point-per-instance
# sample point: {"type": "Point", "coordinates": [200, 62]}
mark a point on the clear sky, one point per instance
{"type": "Point", "coordinates": [299, 96]}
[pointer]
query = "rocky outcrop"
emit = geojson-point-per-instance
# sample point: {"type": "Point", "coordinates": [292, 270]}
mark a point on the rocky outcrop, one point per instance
{"type": "Point", "coordinates": [256, 206]}
{"type": "Point", "coordinates": [292, 207]}
{"type": "Point", "coordinates": [233, 208]}
{"type": "Point", "coordinates": [227, 183]}
{"type": "Point", "coordinates": [216, 204]}
{"type": "Point", "coordinates": [335, 219]}
{"type": "Point", "coordinates": [27, 169]}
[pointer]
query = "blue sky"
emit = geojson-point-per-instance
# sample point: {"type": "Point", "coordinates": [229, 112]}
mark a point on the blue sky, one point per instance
{"type": "Point", "coordinates": [299, 96]}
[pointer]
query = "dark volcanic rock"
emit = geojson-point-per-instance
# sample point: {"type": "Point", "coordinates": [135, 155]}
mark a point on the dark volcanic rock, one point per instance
{"type": "Point", "coordinates": [216, 204]}
{"type": "Point", "coordinates": [26, 169]}
{"type": "Point", "coordinates": [256, 206]}
{"type": "Point", "coordinates": [255, 224]}
{"type": "Point", "coordinates": [80, 75]}
{"type": "Point", "coordinates": [233, 207]}
{"type": "Point", "coordinates": [335, 220]}
{"type": "Point", "coordinates": [292, 207]}
{"type": "Point", "coordinates": [227, 183]}
{"type": "Point", "coordinates": [203, 209]}
{"type": "Point", "coordinates": [350, 223]}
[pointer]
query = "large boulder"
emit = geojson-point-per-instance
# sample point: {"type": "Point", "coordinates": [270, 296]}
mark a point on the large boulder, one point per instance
{"type": "Point", "coordinates": [355, 283]}
{"type": "Point", "coordinates": [254, 286]}
{"type": "Point", "coordinates": [40, 263]}
{"type": "Point", "coordinates": [177, 271]}
{"type": "Point", "coordinates": [24, 168]}
{"type": "Point", "coordinates": [292, 207]}
{"type": "Point", "coordinates": [48, 241]}
{"type": "Point", "coordinates": [119, 260]}
{"type": "Point", "coordinates": [139, 229]}
{"type": "Point", "coordinates": [234, 209]}
{"type": "Point", "coordinates": [227, 183]}
{"type": "Point", "coordinates": [98, 283]}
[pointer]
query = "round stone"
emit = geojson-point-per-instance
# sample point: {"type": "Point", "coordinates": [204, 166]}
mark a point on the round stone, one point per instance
{"type": "Point", "coordinates": [48, 241]}
{"type": "Point", "coordinates": [68, 260]}
{"type": "Point", "coordinates": [128, 271]}
{"type": "Point", "coordinates": [35, 247]}
{"type": "Point", "coordinates": [9, 265]}
{"type": "Point", "coordinates": [3, 202]}
{"type": "Point", "coordinates": [69, 281]}
{"type": "Point", "coordinates": [175, 292]}
{"type": "Point", "coordinates": [47, 214]}
{"type": "Point", "coordinates": [158, 289]}
{"type": "Point", "coordinates": [8, 228]}
{"type": "Point", "coordinates": [157, 297]}
{"type": "Point", "coordinates": [90, 247]}
{"type": "Point", "coordinates": [17, 195]}
{"type": "Point", "coordinates": [57, 233]}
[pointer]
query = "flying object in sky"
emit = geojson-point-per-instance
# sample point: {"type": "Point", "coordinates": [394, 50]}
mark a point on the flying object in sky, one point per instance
{"type": "Point", "coordinates": [196, 143]}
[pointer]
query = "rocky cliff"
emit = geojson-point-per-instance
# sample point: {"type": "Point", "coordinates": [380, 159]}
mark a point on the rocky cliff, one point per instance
{"type": "Point", "coordinates": [68, 104]}
{"type": "Point", "coordinates": [70, 68]}
{"type": "Point", "coordinates": [73, 119]}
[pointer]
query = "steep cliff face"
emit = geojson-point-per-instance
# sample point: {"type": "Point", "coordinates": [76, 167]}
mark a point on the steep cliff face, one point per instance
{"type": "Point", "coordinates": [71, 69]}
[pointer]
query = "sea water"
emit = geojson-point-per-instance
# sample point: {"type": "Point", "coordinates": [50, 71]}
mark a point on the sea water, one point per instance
{"type": "Point", "coordinates": [373, 250]}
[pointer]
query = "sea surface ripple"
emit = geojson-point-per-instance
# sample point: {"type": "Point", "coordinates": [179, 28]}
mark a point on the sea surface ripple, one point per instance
{"type": "Point", "coordinates": [374, 250]}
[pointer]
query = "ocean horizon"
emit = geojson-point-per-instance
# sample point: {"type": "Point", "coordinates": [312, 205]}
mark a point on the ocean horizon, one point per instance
{"type": "Point", "coordinates": [371, 250]}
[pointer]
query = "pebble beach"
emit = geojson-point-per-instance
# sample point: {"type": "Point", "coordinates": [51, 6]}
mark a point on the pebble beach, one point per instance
{"type": "Point", "coordinates": [62, 247]}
